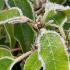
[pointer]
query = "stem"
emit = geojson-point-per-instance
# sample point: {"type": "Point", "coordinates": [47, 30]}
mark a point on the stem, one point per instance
{"type": "Point", "coordinates": [22, 57]}
{"type": "Point", "coordinates": [16, 49]}
{"type": "Point", "coordinates": [62, 32]}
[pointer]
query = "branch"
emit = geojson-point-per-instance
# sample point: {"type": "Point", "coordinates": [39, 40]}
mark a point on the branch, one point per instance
{"type": "Point", "coordinates": [22, 57]}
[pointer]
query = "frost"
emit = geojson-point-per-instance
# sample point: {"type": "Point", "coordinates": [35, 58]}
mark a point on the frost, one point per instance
{"type": "Point", "coordinates": [42, 32]}
{"type": "Point", "coordinates": [13, 19]}
{"type": "Point", "coordinates": [65, 20]}
{"type": "Point", "coordinates": [53, 6]}
{"type": "Point", "coordinates": [50, 21]}
{"type": "Point", "coordinates": [37, 42]}
{"type": "Point", "coordinates": [6, 2]}
{"type": "Point", "coordinates": [20, 11]}
{"type": "Point", "coordinates": [42, 61]}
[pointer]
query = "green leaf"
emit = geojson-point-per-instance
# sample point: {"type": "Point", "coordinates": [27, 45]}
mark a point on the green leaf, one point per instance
{"type": "Point", "coordinates": [52, 18]}
{"type": "Point", "coordinates": [1, 4]}
{"type": "Point", "coordinates": [10, 32]}
{"type": "Point", "coordinates": [58, 1]}
{"type": "Point", "coordinates": [32, 62]}
{"type": "Point", "coordinates": [56, 19]}
{"type": "Point", "coordinates": [9, 14]}
{"type": "Point", "coordinates": [24, 34]}
{"type": "Point", "coordinates": [67, 13]}
{"type": "Point", "coordinates": [6, 16]}
{"type": "Point", "coordinates": [48, 15]}
{"type": "Point", "coordinates": [3, 36]}
{"type": "Point", "coordinates": [4, 52]}
{"type": "Point", "coordinates": [51, 49]}
{"type": "Point", "coordinates": [48, 27]}
{"type": "Point", "coordinates": [5, 63]}
{"type": "Point", "coordinates": [24, 5]}
{"type": "Point", "coordinates": [66, 26]}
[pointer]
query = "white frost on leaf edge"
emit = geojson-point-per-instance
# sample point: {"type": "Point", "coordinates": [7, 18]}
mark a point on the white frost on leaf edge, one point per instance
{"type": "Point", "coordinates": [64, 21]}
{"type": "Point", "coordinates": [6, 50]}
{"type": "Point", "coordinates": [53, 6]}
{"type": "Point", "coordinates": [14, 18]}
{"type": "Point", "coordinates": [6, 2]}
{"type": "Point", "coordinates": [37, 42]}
{"type": "Point", "coordinates": [6, 57]}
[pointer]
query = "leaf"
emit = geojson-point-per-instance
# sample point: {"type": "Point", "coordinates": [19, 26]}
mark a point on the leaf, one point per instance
{"type": "Point", "coordinates": [1, 4]}
{"type": "Point", "coordinates": [5, 63]}
{"type": "Point", "coordinates": [48, 27]}
{"type": "Point", "coordinates": [25, 35]}
{"type": "Point", "coordinates": [48, 15]}
{"type": "Point", "coordinates": [56, 19]}
{"type": "Point", "coordinates": [5, 16]}
{"type": "Point", "coordinates": [23, 32]}
{"type": "Point", "coordinates": [66, 26]}
{"type": "Point", "coordinates": [9, 28]}
{"type": "Point", "coordinates": [4, 52]}
{"type": "Point", "coordinates": [9, 14]}
{"type": "Point", "coordinates": [51, 49]}
{"type": "Point", "coordinates": [52, 18]}
{"type": "Point", "coordinates": [24, 5]}
{"type": "Point", "coordinates": [3, 36]}
{"type": "Point", "coordinates": [67, 13]}
{"type": "Point", "coordinates": [58, 1]}
{"type": "Point", "coordinates": [32, 62]}
{"type": "Point", "coordinates": [56, 11]}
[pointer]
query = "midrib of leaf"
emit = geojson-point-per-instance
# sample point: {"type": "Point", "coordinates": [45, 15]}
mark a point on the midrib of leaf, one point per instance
{"type": "Point", "coordinates": [33, 66]}
{"type": "Point", "coordinates": [52, 52]}
{"type": "Point", "coordinates": [48, 51]}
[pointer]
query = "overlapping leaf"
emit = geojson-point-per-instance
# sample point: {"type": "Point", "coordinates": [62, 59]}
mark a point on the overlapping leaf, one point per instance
{"type": "Point", "coordinates": [9, 28]}
{"type": "Point", "coordinates": [8, 14]}
{"type": "Point", "coordinates": [1, 4]}
{"type": "Point", "coordinates": [32, 62]}
{"type": "Point", "coordinates": [5, 63]}
{"type": "Point", "coordinates": [56, 14]}
{"type": "Point", "coordinates": [25, 35]}
{"type": "Point", "coordinates": [23, 32]}
{"type": "Point", "coordinates": [4, 52]}
{"type": "Point", "coordinates": [24, 5]}
{"type": "Point", "coordinates": [3, 40]}
{"type": "Point", "coordinates": [5, 17]}
{"type": "Point", "coordinates": [67, 13]}
{"type": "Point", "coordinates": [66, 26]}
{"type": "Point", "coordinates": [52, 18]}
